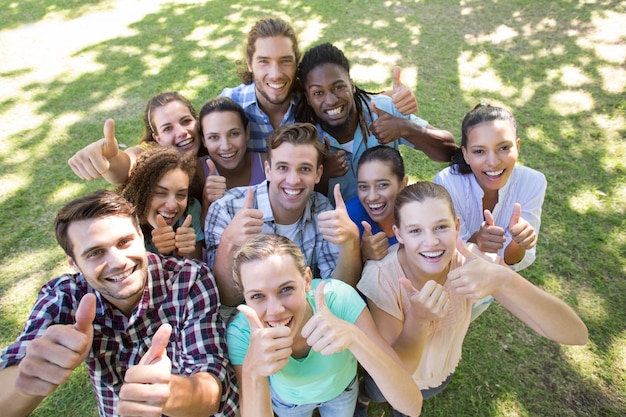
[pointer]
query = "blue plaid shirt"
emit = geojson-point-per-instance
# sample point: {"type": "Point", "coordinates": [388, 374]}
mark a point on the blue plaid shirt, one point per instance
{"type": "Point", "coordinates": [319, 254]}
{"type": "Point", "coordinates": [260, 126]}
{"type": "Point", "coordinates": [180, 292]}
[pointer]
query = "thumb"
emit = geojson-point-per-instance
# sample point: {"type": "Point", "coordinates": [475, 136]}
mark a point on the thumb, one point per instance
{"type": "Point", "coordinates": [408, 286]}
{"type": "Point", "coordinates": [367, 228]}
{"type": "Point", "coordinates": [110, 147]}
{"type": "Point", "coordinates": [160, 341]}
{"type": "Point", "coordinates": [320, 301]}
{"type": "Point", "coordinates": [488, 218]}
{"type": "Point", "coordinates": [339, 203]}
{"type": "Point", "coordinates": [212, 168]}
{"type": "Point", "coordinates": [375, 109]}
{"type": "Point", "coordinates": [161, 221]}
{"type": "Point", "coordinates": [253, 318]}
{"type": "Point", "coordinates": [248, 202]}
{"type": "Point", "coordinates": [187, 221]}
{"type": "Point", "coordinates": [396, 78]}
{"type": "Point", "coordinates": [85, 313]}
{"type": "Point", "coordinates": [464, 250]}
{"type": "Point", "coordinates": [327, 144]}
{"type": "Point", "coordinates": [517, 214]}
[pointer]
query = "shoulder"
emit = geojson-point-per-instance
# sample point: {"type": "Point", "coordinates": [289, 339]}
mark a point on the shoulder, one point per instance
{"type": "Point", "coordinates": [319, 202]}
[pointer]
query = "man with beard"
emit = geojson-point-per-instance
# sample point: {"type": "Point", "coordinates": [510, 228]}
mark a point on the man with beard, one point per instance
{"type": "Point", "coordinates": [148, 327]}
{"type": "Point", "coordinates": [353, 120]}
{"type": "Point", "coordinates": [269, 77]}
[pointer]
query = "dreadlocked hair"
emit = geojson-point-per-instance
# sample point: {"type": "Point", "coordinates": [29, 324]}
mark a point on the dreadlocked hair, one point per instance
{"type": "Point", "coordinates": [326, 53]}
{"type": "Point", "coordinates": [150, 167]}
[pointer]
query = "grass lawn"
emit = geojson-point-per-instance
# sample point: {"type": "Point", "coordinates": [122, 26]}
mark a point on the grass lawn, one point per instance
{"type": "Point", "coordinates": [66, 66]}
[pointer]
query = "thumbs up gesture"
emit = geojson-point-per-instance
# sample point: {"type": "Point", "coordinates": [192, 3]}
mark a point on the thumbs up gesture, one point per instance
{"type": "Point", "coordinates": [335, 225]}
{"type": "Point", "coordinates": [146, 387]}
{"type": "Point", "coordinates": [270, 347]}
{"type": "Point", "coordinates": [489, 238]}
{"type": "Point", "coordinates": [325, 332]}
{"type": "Point", "coordinates": [51, 358]}
{"type": "Point", "coordinates": [247, 222]}
{"type": "Point", "coordinates": [402, 97]}
{"type": "Point", "coordinates": [214, 185]}
{"type": "Point", "coordinates": [92, 161]}
{"type": "Point", "coordinates": [521, 231]}
{"type": "Point", "coordinates": [387, 127]}
{"type": "Point", "coordinates": [163, 236]}
{"type": "Point", "coordinates": [185, 238]}
{"type": "Point", "coordinates": [373, 247]}
{"type": "Point", "coordinates": [478, 277]}
{"type": "Point", "coordinates": [428, 304]}
{"type": "Point", "coordinates": [335, 163]}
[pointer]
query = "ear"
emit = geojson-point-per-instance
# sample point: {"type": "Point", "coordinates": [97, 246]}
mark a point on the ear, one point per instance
{"type": "Point", "coordinates": [517, 143]}
{"type": "Point", "coordinates": [156, 138]}
{"type": "Point", "coordinates": [248, 65]}
{"type": "Point", "coordinates": [308, 277]}
{"type": "Point", "coordinates": [457, 225]}
{"type": "Point", "coordinates": [464, 150]}
{"type": "Point", "coordinates": [353, 86]}
{"type": "Point", "coordinates": [320, 170]}
{"type": "Point", "coordinates": [405, 182]}
{"type": "Point", "coordinates": [72, 263]}
{"type": "Point", "coordinates": [397, 233]}
{"type": "Point", "coordinates": [268, 168]}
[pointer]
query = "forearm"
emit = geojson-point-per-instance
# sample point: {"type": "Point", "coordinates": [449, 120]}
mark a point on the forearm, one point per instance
{"type": "Point", "coordinates": [349, 264]}
{"type": "Point", "coordinates": [223, 271]}
{"type": "Point", "coordinates": [544, 313]}
{"type": "Point", "coordinates": [119, 167]}
{"type": "Point", "coordinates": [197, 395]}
{"type": "Point", "coordinates": [256, 400]}
{"type": "Point", "coordinates": [437, 144]}
{"type": "Point", "coordinates": [410, 343]}
{"type": "Point", "coordinates": [513, 253]}
{"type": "Point", "coordinates": [13, 402]}
{"type": "Point", "coordinates": [396, 385]}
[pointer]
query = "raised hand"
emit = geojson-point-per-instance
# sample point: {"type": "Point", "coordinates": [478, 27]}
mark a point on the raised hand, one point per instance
{"type": "Point", "coordinates": [270, 347]}
{"type": "Point", "coordinates": [373, 247]}
{"type": "Point", "coordinates": [489, 238]}
{"type": "Point", "coordinates": [185, 238]}
{"type": "Point", "coordinates": [325, 332]}
{"type": "Point", "coordinates": [402, 97]}
{"type": "Point", "coordinates": [50, 359]}
{"type": "Point", "coordinates": [335, 164]}
{"type": "Point", "coordinates": [146, 387]}
{"type": "Point", "coordinates": [247, 222]}
{"type": "Point", "coordinates": [335, 225]}
{"type": "Point", "coordinates": [92, 161]}
{"type": "Point", "coordinates": [164, 237]}
{"type": "Point", "coordinates": [214, 185]}
{"type": "Point", "coordinates": [386, 127]}
{"type": "Point", "coordinates": [429, 303]}
{"type": "Point", "coordinates": [477, 278]}
{"type": "Point", "coordinates": [521, 231]}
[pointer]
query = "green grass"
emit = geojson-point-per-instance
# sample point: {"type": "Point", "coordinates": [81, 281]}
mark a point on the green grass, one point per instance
{"type": "Point", "coordinates": [67, 66]}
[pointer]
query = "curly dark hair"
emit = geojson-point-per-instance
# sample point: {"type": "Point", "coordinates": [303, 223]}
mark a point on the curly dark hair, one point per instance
{"type": "Point", "coordinates": [316, 56]}
{"type": "Point", "coordinates": [150, 167]}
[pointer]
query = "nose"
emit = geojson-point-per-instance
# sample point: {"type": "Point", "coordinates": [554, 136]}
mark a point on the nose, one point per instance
{"type": "Point", "coordinates": [372, 194]}
{"type": "Point", "coordinates": [116, 259]}
{"type": "Point", "coordinates": [432, 239]}
{"type": "Point", "coordinates": [179, 130]}
{"type": "Point", "coordinates": [492, 158]}
{"type": "Point", "coordinates": [274, 307]}
{"type": "Point", "coordinates": [293, 177]}
{"type": "Point", "coordinates": [274, 70]}
{"type": "Point", "coordinates": [171, 202]}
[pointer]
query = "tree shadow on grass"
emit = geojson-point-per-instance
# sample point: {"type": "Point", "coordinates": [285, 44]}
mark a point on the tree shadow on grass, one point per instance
{"type": "Point", "coordinates": [461, 51]}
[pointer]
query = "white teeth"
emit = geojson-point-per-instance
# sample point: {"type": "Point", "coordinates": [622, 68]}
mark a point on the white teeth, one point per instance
{"type": "Point", "coordinates": [376, 206]}
{"type": "Point", "coordinates": [278, 323]}
{"type": "Point", "coordinates": [120, 277]}
{"type": "Point", "coordinates": [167, 215]}
{"type": "Point", "coordinates": [433, 254]}
{"type": "Point", "coordinates": [184, 143]}
{"type": "Point", "coordinates": [334, 112]}
{"type": "Point", "coordinates": [276, 85]}
{"type": "Point", "coordinates": [292, 192]}
{"type": "Point", "coordinates": [228, 155]}
{"type": "Point", "coordinates": [494, 173]}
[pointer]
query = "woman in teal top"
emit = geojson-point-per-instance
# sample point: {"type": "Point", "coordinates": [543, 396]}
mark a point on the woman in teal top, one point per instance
{"type": "Point", "coordinates": [296, 343]}
{"type": "Point", "coordinates": [170, 219]}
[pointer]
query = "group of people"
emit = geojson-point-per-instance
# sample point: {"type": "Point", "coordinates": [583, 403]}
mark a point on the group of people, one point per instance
{"type": "Point", "coordinates": [267, 255]}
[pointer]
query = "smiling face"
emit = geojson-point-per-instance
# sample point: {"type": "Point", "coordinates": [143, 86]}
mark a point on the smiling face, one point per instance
{"type": "Point", "coordinates": [110, 253]}
{"type": "Point", "coordinates": [491, 152]}
{"type": "Point", "coordinates": [292, 173]}
{"type": "Point", "coordinates": [176, 127]}
{"type": "Point", "coordinates": [225, 138]}
{"type": "Point", "coordinates": [169, 198]}
{"type": "Point", "coordinates": [330, 93]}
{"type": "Point", "coordinates": [377, 187]}
{"type": "Point", "coordinates": [273, 66]}
{"type": "Point", "coordinates": [428, 231]}
{"type": "Point", "coordinates": [276, 289]}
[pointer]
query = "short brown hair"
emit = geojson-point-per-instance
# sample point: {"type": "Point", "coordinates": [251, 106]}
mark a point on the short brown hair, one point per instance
{"type": "Point", "coordinates": [96, 205]}
{"type": "Point", "coordinates": [295, 134]}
